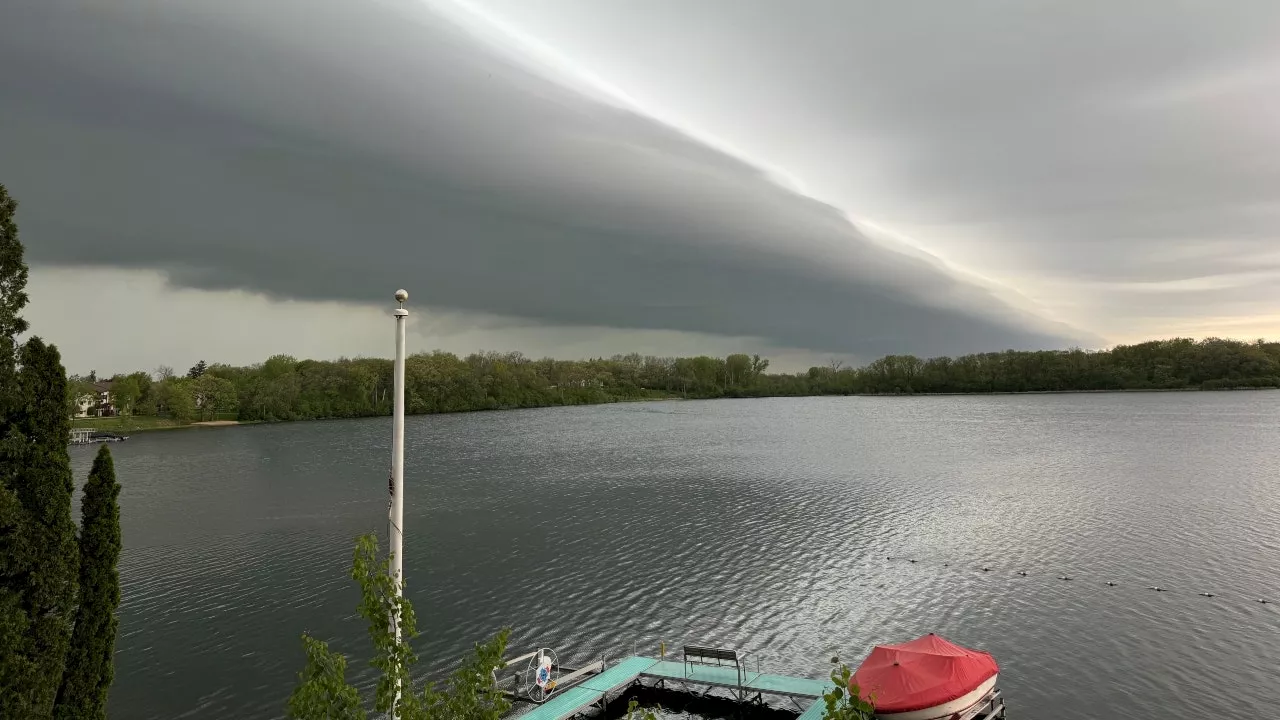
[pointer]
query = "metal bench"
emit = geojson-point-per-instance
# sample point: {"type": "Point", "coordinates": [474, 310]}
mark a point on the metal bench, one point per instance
{"type": "Point", "coordinates": [718, 657]}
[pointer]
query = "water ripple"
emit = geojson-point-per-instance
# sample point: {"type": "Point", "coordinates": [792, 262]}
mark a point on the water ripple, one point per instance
{"type": "Point", "coordinates": [757, 524]}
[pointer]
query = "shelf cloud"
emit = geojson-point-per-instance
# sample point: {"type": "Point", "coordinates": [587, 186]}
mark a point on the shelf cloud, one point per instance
{"type": "Point", "coordinates": [331, 150]}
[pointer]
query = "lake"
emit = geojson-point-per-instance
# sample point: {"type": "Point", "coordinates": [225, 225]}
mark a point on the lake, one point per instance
{"type": "Point", "coordinates": [758, 524]}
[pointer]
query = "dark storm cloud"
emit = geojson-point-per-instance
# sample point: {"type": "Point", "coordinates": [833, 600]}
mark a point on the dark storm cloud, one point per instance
{"type": "Point", "coordinates": [1132, 141]}
{"type": "Point", "coordinates": [334, 150]}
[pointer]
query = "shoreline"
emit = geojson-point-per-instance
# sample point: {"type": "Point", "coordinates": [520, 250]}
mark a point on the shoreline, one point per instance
{"type": "Point", "coordinates": [237, 423]}
{"type": "Point", "coordinates": [112, 425]}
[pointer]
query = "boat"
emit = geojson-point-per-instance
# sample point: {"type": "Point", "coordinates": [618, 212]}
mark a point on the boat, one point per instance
{"type": "Point", "coordinates": [929, 678]}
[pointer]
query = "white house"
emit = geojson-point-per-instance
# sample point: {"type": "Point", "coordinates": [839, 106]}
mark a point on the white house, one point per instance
{"type": "Point", "coordinates": [96, 402]}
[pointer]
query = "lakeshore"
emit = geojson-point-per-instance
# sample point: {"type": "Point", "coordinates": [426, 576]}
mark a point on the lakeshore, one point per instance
{"type": "Point", "coordinates": [145, 423]}
{"type": "Point", "coordinates": [286, 388]}
{"type": "Point", "coordinates": [142, 424]}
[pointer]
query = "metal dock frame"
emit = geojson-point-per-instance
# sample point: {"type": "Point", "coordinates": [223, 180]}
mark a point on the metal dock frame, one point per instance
{"type": "Point", "coordinates": [596, 691]}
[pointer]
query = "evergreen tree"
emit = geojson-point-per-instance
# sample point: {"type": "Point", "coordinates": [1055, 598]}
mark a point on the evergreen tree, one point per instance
{"type": "Point", "coordinates": [42, 556]}
{"type": "Point", "coordinates": [13, 283]}
{"type": "Point", "coordinates": [14, 667]}
{"type": "Point", "coordinates": [13, 277]}
{"type": "Point", "coordinates": [89, 669]}
{"type": "Point", "coordinates": [197, 370]}
{"type": "Point", "coordinates": [37, 536]}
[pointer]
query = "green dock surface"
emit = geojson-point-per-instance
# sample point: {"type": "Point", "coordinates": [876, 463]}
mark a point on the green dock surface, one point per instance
{"type": "Point", "coordinates": [752, 682]}
{"type": "Point", "coordinates": [567, 703]}
{"type": "Point", "coordinates": [814, 712]}
{"type": "Point", "coordinates": [564, 704]}
{"type": "Point", "coordinates": [620, 675]}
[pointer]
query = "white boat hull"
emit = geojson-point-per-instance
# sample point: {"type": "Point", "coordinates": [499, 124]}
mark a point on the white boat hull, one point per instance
{"type": "Point", "coordinates": [946, 710]}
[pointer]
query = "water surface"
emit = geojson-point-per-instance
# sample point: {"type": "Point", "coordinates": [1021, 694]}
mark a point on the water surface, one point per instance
{"type": "Point", "coordinates": [761, 524]}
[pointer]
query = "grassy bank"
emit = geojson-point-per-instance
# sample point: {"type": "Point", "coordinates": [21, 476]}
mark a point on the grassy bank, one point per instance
{"type": "Point", "coordinates": [143, 423]}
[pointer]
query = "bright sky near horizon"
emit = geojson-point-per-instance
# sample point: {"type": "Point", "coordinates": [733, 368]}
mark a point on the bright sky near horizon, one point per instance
{"type": "Point", "coordinates": [228, 179]}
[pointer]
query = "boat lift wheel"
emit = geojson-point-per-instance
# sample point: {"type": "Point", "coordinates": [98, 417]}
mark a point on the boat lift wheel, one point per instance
{"type": "Point", "coordinates": [539, 675]}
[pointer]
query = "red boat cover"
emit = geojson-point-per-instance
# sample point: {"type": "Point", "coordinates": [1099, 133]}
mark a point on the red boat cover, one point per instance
{"type": "Point", "coordinates": [922, 673]}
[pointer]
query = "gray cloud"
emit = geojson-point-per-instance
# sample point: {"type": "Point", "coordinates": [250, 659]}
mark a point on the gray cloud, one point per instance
{"type": "Point", "coordinates": [1118, 142]}
{"type": "Point", "coordinates": [333, 150]}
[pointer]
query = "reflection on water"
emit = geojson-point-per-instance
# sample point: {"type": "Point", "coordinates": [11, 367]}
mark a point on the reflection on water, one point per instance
{"type": "Point", "coordinates": [761, 524]}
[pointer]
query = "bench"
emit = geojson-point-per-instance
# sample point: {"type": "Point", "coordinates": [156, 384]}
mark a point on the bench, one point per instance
{"type": "Point", "coordinates": [716, 657]}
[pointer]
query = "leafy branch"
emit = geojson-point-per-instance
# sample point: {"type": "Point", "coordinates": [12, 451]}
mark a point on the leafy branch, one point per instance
{"type": "Point", "coordinates": [635, 712]}
{"type": "Point", "coordinates": [324, 694]}
{"type": "Point", "coordinates": [845, 701]}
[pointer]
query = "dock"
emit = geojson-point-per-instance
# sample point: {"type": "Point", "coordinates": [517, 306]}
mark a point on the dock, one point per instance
{"type": "Point", "coordinates": [702, 669]}
{"type": "Point", "coordinates": [745, 685]}
{"type": "Point", "coordinates": [86, 436]}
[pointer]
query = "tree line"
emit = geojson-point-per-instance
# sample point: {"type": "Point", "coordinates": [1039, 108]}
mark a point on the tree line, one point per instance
{"type": "Point", "coordinates": [285, 388]}
{"type": "Point", "coordinates": [1176, 364]}
{"type": "Point", "coordinates": [59, 589]}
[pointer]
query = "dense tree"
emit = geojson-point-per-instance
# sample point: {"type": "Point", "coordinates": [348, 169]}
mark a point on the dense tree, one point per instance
{"type": "Point", "coordinates": [125, 393]}
{"type": "Point", "coordinates": [37, 537]}
{"type": "Point", "coordinates": [39, 557]}
{"type": "Point", "coordinates": [78, 388]}
{"type": "Point", "coordinates": [212, 395]}
{"type": "Point", "coordinates": [89, 670]}
{"type": "Point", "coordinates": [175, 399]}
{"type": "Point", "coordinates": [13, 297]}
{"type": "Point", "coordinates": [197, 370]}
{"type": "Point", "coordinates": [145, 396]}
{"type": "Point", "coordinates": [38, 576]}
{"type": "Point", "coordinates": [14, 560]}
{"type": "Point", "coordinates": [13, 273]}
{"type": "Point", "coordinates": [285, 388]}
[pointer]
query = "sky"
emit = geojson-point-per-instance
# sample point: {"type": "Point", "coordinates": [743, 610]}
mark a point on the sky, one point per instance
{"type": "Point", "coordinates": [229, 179]}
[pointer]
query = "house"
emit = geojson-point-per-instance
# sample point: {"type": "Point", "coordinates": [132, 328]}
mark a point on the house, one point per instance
{"type": "Point", "coordinates": [96, 402]}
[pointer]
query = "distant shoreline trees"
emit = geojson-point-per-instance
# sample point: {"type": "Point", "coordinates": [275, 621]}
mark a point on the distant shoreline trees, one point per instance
{"type": "Point", "coordinates": [285, 388]}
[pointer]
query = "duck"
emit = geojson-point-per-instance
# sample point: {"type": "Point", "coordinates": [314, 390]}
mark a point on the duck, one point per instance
{"type": "Point", "coordinates": [1023, 573]}
{"type": "Point", "coordinates": [1206, 594]}
{"type": "Point", "coordinates": [1157, 588]}
{"type": "Point", "coordinates": [986, 569]}
{"type": "Point", "coordinates": [1110, 584]}
{"type": "Point", "coordinates": [1063, 577]}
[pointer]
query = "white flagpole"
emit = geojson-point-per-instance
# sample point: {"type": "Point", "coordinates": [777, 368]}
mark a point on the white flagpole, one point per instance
{"type": "Point", "coordinates": [396, 520]}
